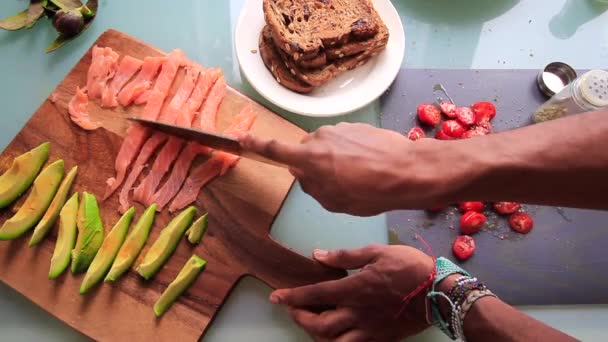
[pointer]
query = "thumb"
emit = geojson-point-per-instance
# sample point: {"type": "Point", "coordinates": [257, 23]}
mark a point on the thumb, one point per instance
{"type": "Point", "coordinates": [348, 258]}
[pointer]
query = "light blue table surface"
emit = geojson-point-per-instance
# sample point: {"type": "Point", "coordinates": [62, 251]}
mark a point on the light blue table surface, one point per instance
{"type": "Point", "coordinates": [439, 34]}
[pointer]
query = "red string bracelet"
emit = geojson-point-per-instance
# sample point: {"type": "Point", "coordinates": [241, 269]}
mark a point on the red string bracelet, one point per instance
{"type": "Point", "coordinates": [425, 285]}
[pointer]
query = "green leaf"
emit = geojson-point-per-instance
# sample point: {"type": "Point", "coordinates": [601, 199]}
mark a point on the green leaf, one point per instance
{"type": "Point", "coordinates": [26, 18]}
{"type": "Point", "coordinates": [15, 22]}
{"type": "Point", "coordinates": [57, 43]}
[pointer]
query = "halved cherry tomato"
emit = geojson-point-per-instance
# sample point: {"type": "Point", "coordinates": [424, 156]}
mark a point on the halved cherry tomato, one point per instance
{"type": "Point", "coordinates": [474, 132]}
{"type": "Point", "coordinates": [484, 111]}
{"type": "Point", "coordinates": [463, 247]}
{"type": "Point", "coordinates": [415, 134]}
{"type": "Point", "coordinates": [471, 206]}
{"type": "Point", "coordinates": [465, 115]}
{"type": "Point", "coordinates": [471, 222]}
{"type": "Point", "coordinates": [429, 114]}
{"type": "Point", "coordinates": [521, 222]}
{"type": "Point", "coordinates": [452, 128]}
{"type": "Point", "coordinates": [441, 135]}
{"type": "Point", "coordinates": [485, 126]}
{"type": "Point", "coordinates": [506, 208]}
{"type": "Point", "coordinates": [448, 108]}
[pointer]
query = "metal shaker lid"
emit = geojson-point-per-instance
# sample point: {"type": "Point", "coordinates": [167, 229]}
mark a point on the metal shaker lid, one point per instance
{"type": "Point", "coordinates": [555, 77]}
{"type": "Point", "coordinates": [594, 87]}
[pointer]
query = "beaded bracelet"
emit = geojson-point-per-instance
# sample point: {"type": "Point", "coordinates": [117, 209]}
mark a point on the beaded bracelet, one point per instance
{"type": "Point", "coordinates": [462, 287]}
{"type": "Point", "coordinates": [471, 299]}
{"type": "Point", "coordinates": [463, 294]}
{"type": "Point", "coordinates": [460, 312]}
{"type": "Point", "coordinates": [444, 269]}
{"type": "Point", "coordinates": [465, 291]}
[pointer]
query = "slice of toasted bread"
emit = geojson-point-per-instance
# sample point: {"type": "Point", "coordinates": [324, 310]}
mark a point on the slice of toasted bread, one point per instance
{"type": "Point", "coordinates": [314, 63]}
{"type": "Point", "coordinates": [272, 61]}
{"type": "Point", "coordinates": [302, 28]}
{"type": "Point", "coordinates": [379, 41]}
{"type": "Point", "coordinates": [348, 49]}
{"type": "Point", "coordinates": [318, 77]}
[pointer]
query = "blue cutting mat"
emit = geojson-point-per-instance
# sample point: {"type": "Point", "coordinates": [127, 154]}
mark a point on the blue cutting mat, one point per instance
{"type": "Point", "coordinates": [563, 260]}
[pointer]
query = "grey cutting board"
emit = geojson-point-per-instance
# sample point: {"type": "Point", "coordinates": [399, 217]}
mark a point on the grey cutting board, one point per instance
{"type": "Point", "coordinates": [563, 260]}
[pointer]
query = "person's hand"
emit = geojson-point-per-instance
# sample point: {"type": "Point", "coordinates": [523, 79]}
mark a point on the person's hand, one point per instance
{"type": "Point", "coordinates": [365, 306]}
{"type": "Point", "coordinates": [363, 170]}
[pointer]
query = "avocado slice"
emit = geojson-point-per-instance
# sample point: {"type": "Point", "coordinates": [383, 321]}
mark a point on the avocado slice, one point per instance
{"type": "Point", "coordinates": [166, 243]}
{"type": "Point", "coordinates": [133, 245]}
{"type": "Point", "coordinates": [188, 274]}
{"type": "Point", "coordinates": [109, 248]}
{"type": "Point", "coordinates": [197, 229]}
{"type": "Point", "coordinates": [36, 203]}
{"type": "Point", "coordinates": [66, 237]}
{"type": "Point", "coordinates": [50, 217]}
{"type": "Point", "coordinates": [90, 233]}
{"type": "Point", "coordinates": [21, 174]}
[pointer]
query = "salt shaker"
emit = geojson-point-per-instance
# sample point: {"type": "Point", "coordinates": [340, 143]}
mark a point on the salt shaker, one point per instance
{"type": "Point", "coordinates": [588, 92]}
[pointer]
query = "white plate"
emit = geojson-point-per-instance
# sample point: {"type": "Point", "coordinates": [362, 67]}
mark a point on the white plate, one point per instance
{"type": "Point", "coordinates": [344, 94]}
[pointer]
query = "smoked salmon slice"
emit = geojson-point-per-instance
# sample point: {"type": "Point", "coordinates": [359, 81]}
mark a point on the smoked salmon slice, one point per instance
{"type": "Point", "coordinates": [156, 140]}
{"type": "Point", "coordinates": [208, 116]}
{"type": "Point", "coordinates": [171, 150]}
{"type": "Point", "coordinates": [169, 69]}
{"type": "Point", "coordinates": [178, 174]}
{"type": "Point", "coordinates": [198, 178]}
{"type": "Point", "coordinates": [126, 69]}
{"type": "Point", "coordinates": [136, 135]}
{"type": "Point", "coordinates": [217, 165]}
{"type": "Point", "coordinates": [103, 67]}
{"type": "Point", "coordinates": [182, 95]}
{"type": "Point", "coordinates": [241, 123]}
{"type": "Point", "coordinates": [168, 153]}
{"type": "Point", "coordinates": [206, 80]}
{"type": "Point", "coordinates": [77, 107]}
{"type": "Point", "coordinates": [142, 81]}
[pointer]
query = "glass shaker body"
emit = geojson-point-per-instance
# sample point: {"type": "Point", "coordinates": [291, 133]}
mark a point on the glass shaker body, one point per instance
{"type": "Point", "coordinates": [587, 93]}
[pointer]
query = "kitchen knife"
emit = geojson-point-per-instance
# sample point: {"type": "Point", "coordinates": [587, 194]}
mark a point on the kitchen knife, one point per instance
{"type": "Point", "coordinates": [213, 140]}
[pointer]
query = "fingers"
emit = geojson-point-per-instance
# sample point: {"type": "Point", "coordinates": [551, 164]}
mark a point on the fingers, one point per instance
{"type": "Point", "coordinates": [328, 324]}
{"type": "Point", "coordinates": [329, 293]}
{"type": "Point", "coordinates": [290, 154]}
{"type": "Point", "coordinates": [296, 172]}
{"type": "Point", "coordinates": [353, 336]}
{"type": "Point", "coordinates": [348, 258]}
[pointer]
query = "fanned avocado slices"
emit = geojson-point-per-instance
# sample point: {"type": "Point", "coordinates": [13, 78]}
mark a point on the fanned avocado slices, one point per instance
{"type": "Point", "coordinates": [35, 205]}
{"type": "Point", "coordinates": [22, 173]}
{"type": "Point", "coordinates": [107, 252]}
{"type": "Point", "coordinates": [166, 243]}
{"type": "Point", "coordinates": [133, 245]}
{"type": "Point", "coordinates": [90, 233]}
{"type": "Point", "coordinates": [197, 229]}
{"type": "Point", "coordinates": [188, 274]}
{"type": "Point", "coordinates": [66, 237]}
{"type": "Point", "coordinates": [52, 213]}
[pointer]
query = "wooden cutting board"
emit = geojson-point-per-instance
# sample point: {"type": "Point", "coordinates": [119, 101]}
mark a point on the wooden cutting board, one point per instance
{"type": "Point", "coordinates": [242, 206]}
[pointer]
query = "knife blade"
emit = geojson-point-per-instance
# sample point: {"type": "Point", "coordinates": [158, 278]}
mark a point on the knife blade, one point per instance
{"type": "Point", "coordinates": [213, 140]}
